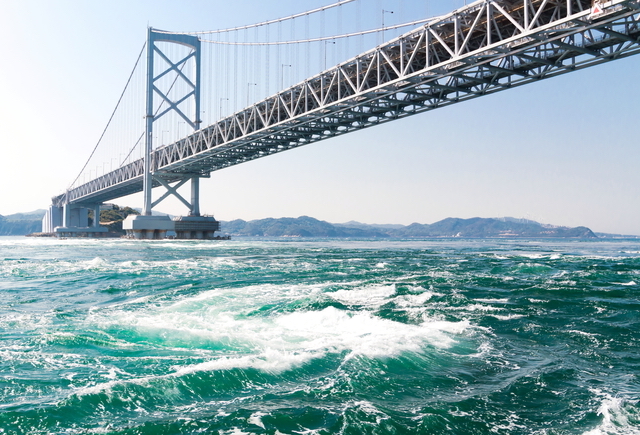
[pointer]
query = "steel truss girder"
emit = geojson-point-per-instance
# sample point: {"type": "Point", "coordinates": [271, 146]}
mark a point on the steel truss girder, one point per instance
{"type": "Point", "coordinates": [486, 47]}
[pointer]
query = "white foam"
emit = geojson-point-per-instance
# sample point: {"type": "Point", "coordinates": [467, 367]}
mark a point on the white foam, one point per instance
{"type": "Point", "coordinates": [415, 300]}
{"type": "Point", "coordinates": [615, 412]}
{"type": "Point", "coordinates": [270, 361]}
{"type": "Point", "coordinates": [365, 334]}
{"type": "Point", "coordinates": [511, 425]}
{"type": "Point", "coordinates": [508, 317]}
{"type": "Point", "coordinates": [282, 341]}
{"type": "Point", "coordinates": [95, 263]}
{"type": "Point", "coordinates": [485, 349]}
{"type": "Point", "coordinates": [586, 334]}
{"type": "Point", "coordinates": [374, 295]}
{"type": "Point", "coordinates": [492, 301]}
{"type": "Point", "coordinates": [256, 419]}
{"type": "Point", "coordinates": [475, 307]}
{"type": "Point", "coordinates": [630, 283]}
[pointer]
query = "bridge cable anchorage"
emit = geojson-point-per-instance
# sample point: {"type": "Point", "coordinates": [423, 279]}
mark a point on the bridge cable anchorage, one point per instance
{"type": "Point", "coordinates": [324, 38]}
{"type": "Point", "coordinates": [112, 115]}
{"type": "Point", "coordinates": [264, 23]}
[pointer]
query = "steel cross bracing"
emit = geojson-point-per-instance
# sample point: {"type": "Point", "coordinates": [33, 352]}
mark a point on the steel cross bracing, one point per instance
{"type": "Point", "coordinates": [488, 46]}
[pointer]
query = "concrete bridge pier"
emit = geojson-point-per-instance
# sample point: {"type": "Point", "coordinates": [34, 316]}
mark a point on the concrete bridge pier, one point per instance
{"type": "Point", "coordinates": [72, 220]}
{"type": "Point", "coordinates": [148, 227]}
{"type": "Point", "coordinates": [191, 227]}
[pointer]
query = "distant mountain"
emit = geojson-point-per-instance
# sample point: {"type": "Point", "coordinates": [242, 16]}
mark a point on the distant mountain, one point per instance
{"type": "Point", "coordinates": [303, 226]}
{"type": "Point", "coordinates": [490, 227]}
{"type": "Point", "coordinates": [19, 224]}
{"type": "Point", "coordinates": [355, 224]}
{"type": "Point", "coordinates": [451, 227]}
{"type": "Point", "coordinates": [29, 216]}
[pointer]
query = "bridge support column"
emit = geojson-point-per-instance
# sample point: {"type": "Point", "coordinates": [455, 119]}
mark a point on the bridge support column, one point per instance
{"type": "Point", "coordinates": [74, 216]}
{"type": "Point", "coordinates": [52, 219]}
{"type": "Point", "coordinates": [75, 221]}
{"type": "Point", "coordinates": [96, 216]}
{"type": "Point", "coordinates": [66, 216]}
{"type": "Point", "coordinates": [195, 196]}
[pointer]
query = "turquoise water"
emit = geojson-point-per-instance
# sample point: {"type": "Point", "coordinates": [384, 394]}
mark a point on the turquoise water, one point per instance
{"type": "Point", "coordinates": [302, 336]}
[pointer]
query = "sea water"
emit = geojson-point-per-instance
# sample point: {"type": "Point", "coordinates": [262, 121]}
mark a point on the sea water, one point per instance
{"type": "Point", "coordinates": [307, 336]}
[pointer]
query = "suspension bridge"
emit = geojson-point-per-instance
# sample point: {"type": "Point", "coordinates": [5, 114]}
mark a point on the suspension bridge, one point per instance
{"type": "Point", "coordinates": [279, 103]}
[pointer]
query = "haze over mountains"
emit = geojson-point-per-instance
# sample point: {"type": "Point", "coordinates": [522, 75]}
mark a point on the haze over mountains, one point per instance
{"type": "Point", "coordinates": [20, 224]}
{"type": "Point", "coordinates": [305, 226]}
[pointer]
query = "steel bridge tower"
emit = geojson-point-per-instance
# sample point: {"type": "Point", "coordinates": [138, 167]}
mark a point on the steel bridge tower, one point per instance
{"type": "Point", "coordinates": [71, 218]}
{"type": "Point", "coordinates": [147, 226]}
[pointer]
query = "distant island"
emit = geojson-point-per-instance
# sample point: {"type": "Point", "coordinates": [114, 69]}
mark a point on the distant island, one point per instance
{"type": "Point", "coordinates": [21, 224]}
{"type": "Point", "coordinates": [305, 226]}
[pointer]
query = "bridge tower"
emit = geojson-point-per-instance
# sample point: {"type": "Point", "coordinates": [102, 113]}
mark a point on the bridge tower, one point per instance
{"type": "Point", "coordinates": [147, 226]}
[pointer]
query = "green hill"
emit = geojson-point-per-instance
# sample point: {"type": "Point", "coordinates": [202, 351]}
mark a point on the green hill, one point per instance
{"type": "Point", "coordinates": [305, 226]}
{"type": "Point", "coordinates": [20, 224]}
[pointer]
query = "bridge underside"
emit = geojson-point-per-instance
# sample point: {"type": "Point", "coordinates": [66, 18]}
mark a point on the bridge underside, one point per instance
{"type": "Point", "coordinates": [486, 47]}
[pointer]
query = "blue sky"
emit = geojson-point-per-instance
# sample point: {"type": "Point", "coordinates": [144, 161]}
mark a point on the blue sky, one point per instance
{"type": "Point", "coordinates": [562, 151]}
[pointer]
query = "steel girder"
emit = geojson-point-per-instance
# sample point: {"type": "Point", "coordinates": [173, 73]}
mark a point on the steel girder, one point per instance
{"type": "Point", "coordinates": [486, 47]}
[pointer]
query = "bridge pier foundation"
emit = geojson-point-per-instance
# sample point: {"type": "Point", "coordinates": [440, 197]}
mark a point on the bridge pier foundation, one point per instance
{"type": "Point", "coordinates": [73, 221]}
{"type": "Point", "coordinates": [196, 227]}
{"type": "Point", "coordinates": [160, 227]}
{"type": "Point", "coordinates": [148, 227]}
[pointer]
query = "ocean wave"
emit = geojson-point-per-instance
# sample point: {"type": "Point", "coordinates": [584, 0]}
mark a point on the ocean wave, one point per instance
{"type": "Point", "coordinates": [368, 295]}
{"type": "Point", "coordinates": [298, 337]}
{"type": "Point", "coordinates": [620, 415]}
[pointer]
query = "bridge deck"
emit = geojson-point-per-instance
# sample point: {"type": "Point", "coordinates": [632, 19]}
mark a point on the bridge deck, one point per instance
{"type": "Point", "coordinates": [483, 48]}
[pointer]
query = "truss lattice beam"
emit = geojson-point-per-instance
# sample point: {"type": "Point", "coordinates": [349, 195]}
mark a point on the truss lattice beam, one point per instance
{"type": "Point", "coordinates": [486, 47]}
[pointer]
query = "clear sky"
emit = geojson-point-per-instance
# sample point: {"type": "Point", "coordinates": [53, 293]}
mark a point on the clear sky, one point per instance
{"type": "Point", "coordinates": [563, 151]}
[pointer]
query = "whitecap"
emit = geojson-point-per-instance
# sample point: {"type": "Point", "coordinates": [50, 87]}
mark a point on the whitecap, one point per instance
{"type": "Point", "coordinates": [617, 414]}
{"type": "Point", "coordinates": [293, 339]}
{"type": "Point", "coordinates": [586, 334]}
{"type": "Point", "coordinates": [508, 317]}
{"type": "Point", "coordinates": [474, 307]}
{"type": "Point", "coordinates": [373, 295]}
{"type": "Point", "coordinates": [415, 300]}
{"type": "Point", "coordinates": [492, 301]}
{"type": "Point", "coordinates": [96, 263]}
{"type": "Point", "coordinates": [256, 419]}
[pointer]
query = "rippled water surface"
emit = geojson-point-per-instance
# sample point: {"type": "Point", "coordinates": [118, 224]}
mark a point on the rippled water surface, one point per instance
{"type": "Point", "coordinates": [310, 336]}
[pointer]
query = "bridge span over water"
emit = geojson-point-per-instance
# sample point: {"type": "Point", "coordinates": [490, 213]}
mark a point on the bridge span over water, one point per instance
{"type": "Point", "coordinates": [485, 47]}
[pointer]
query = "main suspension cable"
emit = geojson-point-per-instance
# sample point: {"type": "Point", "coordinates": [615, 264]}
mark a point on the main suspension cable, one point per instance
{"type": "Point", "coordinates": [264, 23]}
{"type": "Point", "coordinates": [111, 117]}
{"type": "Point", "coordinates": [322, 38]}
